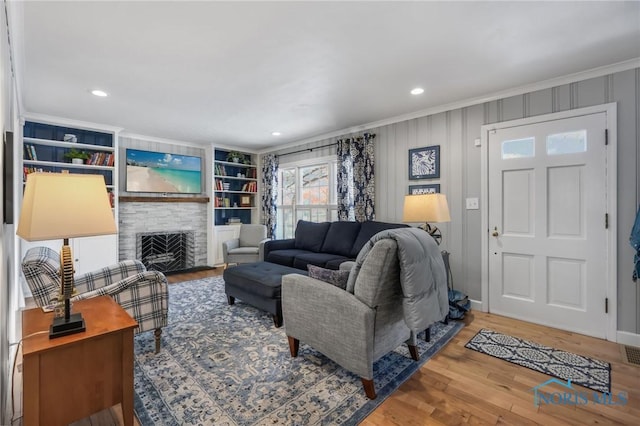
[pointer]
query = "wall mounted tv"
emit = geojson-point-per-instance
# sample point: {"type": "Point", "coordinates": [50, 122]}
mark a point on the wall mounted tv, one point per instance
{"type": "Point", "coordinates": [149, 171]}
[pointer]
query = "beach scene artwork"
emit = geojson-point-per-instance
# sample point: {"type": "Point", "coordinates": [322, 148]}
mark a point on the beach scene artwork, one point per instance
{"type": "Point", "coordinates": [149, 171]}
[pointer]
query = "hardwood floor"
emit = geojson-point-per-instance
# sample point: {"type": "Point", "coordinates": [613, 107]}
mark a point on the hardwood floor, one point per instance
{"type": "Point", "coordinates": [461, 386]}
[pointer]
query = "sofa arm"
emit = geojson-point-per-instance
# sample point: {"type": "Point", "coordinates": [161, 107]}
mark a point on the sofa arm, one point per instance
{"type": "Point", "coordinates": [330, 320]}
{"type": "Point", "coordinates": [347, 266]}
{"type": "Point", "coordinates": [107, 276]}
{"type": "Point", "coordinates": [145, 296]}
{"type": "Point", "coordinates": [261, 249]}
{"type": "Point", "coordinates": [272, 245]}
{"type": "Point", "coordinates": [229, 245]}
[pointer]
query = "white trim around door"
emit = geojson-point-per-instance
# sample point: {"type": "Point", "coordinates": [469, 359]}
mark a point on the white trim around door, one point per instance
{"type": "Point", "coordinates": [610, 111]}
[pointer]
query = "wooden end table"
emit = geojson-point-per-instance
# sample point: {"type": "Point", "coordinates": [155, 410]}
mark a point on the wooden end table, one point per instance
{"type": "Point", "coordinates": [71, 377]}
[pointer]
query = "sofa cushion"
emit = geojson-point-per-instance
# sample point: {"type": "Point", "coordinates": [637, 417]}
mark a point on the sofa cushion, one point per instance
{"type": "Point", "coordinates": [333, 277]}
{"type": "Point", "coordinates": [284, 257]}
{"type": "Point", "coordinates": [335, 263]}
{"type": "Point", "coordinates": [319, 259]}
{"type": "Point", "coordinates": [367, 230]}
{"type": "Point", "coordinates": [340, 238]}
{"type": "Point", "coordinates": [310, 235]}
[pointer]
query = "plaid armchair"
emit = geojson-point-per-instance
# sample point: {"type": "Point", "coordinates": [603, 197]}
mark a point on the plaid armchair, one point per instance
{"type": "Point", "coordinates": [143, 294]}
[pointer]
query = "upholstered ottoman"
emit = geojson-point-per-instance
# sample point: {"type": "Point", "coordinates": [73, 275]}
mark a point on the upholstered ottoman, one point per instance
{"type": "Point", "coordinates": [258, 284]}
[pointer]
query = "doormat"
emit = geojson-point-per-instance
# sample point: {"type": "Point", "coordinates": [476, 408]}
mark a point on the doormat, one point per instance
{"type": "Point", "coordinates": [584, 371]}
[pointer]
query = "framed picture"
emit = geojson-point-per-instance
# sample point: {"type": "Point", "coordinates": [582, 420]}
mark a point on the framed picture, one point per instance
{"type": "Point", "coordinates": [245, 201]}
{"type": "Point", "coordinates": [424, 189]}
{"type": "Point", "coordinates": [424, 163]}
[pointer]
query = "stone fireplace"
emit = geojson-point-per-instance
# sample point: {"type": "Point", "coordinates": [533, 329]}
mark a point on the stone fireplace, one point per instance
{"type": "Point", "coordinates": [138, 219]}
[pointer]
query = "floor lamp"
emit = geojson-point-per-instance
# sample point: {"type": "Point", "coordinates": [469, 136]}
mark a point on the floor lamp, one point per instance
{"type": "Point", "coordinates": [425, 208]}
{"type": "Point", "coordinates": [63, 205]}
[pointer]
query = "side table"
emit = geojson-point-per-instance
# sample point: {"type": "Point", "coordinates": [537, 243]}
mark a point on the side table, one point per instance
{"type": "Point", "coordinates": [71, 377]}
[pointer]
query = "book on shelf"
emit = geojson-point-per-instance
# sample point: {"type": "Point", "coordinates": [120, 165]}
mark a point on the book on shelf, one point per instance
{"type": "Point", "coordinates": [30, 152]}
{"type": "Point", "coordinates": [101, 159]}
{"type": "Point", "coordinates": [220, 170]}
{"type": "Point", "coordinates": [250, 187]}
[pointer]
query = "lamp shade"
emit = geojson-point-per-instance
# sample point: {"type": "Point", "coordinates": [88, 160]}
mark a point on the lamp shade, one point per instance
{"type": "Point", "coordinates": [426, 208]}
{"type": "Point", "coordinates": [64, 205]}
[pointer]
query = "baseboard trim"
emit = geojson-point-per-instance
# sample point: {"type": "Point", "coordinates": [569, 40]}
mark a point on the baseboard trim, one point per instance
{"type": "Point", "coordinates": [627, 338]}
{"type": "Point", "coordinates": [476, 305]}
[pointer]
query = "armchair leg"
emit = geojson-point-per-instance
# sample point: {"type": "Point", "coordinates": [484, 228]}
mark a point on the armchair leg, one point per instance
{"type": "Point", "coordinates": [231, 300]}
{"type": "Point", "coordinates": [157, 334]}
{"type": "Point", "coordinates": [413, 350]}
{"type": "Point", "coordinates": [427, 335]}
{"type": "Point", "coordinates": [369, 388]}
{"type": "Point", "coordinates": [294, 345]}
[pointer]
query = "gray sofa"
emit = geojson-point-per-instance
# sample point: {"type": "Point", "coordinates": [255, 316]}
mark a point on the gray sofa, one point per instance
{"type": "Point", "coordinates": [325, 244]}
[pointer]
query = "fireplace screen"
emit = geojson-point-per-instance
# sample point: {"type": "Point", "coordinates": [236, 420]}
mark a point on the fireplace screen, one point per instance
{"type": "Point", "coordinates": [166, 251]}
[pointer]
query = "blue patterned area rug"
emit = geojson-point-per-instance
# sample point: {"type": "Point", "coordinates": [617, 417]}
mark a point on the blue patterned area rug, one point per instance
{"type": "Point", "coordinates": [229, 365]}
{"type": "Point", "coordinates": [584, 371]}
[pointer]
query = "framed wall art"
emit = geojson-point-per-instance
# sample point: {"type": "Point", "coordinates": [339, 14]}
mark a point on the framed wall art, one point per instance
{"type": "Point", "coordinates": [433, 188]}
{"type": "Point", "coordinates": [424, 163]}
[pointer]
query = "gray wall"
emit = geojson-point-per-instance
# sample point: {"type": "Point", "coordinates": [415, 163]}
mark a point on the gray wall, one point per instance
{"type": "Point", "coordinates": [455, 132]}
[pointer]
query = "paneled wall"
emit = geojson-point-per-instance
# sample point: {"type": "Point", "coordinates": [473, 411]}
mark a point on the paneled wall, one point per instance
{"type": "Point", "coordinates": [455, 132]}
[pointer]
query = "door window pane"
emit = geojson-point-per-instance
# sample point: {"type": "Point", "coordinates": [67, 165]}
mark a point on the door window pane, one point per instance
{"type": "Point", "coordinates": [518, 148]}
{"type": "Point", "coordinates": [567, 143]}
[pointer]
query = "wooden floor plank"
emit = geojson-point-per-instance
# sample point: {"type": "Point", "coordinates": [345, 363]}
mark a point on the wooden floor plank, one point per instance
{"type": "Point", "coordinates": [462, 386]}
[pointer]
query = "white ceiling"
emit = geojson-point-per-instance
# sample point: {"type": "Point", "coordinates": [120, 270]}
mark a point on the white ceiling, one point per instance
{"type": "Point", "coordinates": [232, 72]}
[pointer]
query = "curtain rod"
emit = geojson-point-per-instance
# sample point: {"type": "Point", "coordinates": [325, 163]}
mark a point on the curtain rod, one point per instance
{"type": "Point", "coordinates": [307, 149]}
{"type": "Point", "coordinates": [371, 135]}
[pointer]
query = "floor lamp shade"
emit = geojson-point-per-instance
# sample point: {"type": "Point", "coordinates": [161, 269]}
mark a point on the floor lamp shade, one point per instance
{"type": "Point", "coordinates": [63, 205]}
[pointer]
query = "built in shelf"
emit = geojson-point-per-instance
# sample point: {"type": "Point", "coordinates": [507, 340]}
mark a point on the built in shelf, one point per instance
{"type": "Point", "coordinates": [137, 199]}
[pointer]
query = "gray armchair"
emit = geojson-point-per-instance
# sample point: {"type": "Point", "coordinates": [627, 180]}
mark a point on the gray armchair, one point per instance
{"type": "Point", "coordinates": [353, 328]}
{"type": "Point", "coordinates": [247, 248]}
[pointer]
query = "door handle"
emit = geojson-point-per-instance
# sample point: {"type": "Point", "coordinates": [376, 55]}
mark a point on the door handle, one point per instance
{"type": "Point", "coordinates": [495, 232]}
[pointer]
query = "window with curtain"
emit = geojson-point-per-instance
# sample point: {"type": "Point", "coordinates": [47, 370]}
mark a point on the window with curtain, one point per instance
{"type": "Point", "coordinates": [307, 191]}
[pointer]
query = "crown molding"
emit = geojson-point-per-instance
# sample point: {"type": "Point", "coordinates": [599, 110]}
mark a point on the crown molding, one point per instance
{"type": "Point", "coordinates": [545, 84]}
{"type": "Point", "coordinates": [161, 140]}
{"type": "Point", "coordinates": [59, 121]}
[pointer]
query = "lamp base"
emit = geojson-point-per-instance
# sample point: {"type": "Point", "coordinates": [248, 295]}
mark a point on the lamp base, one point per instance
{"type": "Point", "coordinates": [62, 327]}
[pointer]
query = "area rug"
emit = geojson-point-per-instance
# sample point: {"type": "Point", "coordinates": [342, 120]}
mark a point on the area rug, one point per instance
{"type": "Point", "coordinates": [229, 365]}
{"type": "Point", "coordinates": [584, 371]}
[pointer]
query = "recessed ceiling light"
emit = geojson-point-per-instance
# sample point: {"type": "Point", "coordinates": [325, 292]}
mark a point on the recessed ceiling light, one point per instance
{"type": "Point", "coordinates": [100, 93]}
{"type": "Point", "coordinates": [276, 133]}
{"type": "Point", "coordinates": [417, 91]}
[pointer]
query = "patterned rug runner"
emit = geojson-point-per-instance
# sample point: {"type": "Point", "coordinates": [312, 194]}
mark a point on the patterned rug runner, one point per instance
{"type": "Point", "coordinates": [222, 364]}
{"type": "Point", "coordinates": [582, 370]}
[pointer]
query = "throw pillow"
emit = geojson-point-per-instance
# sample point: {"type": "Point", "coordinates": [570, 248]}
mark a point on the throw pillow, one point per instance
{"type": "Point", "coordinates": [331, 276]}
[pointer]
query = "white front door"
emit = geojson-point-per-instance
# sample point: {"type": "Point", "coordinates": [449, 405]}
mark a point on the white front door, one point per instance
{"type": "Point", "coordinates": [547, 239]}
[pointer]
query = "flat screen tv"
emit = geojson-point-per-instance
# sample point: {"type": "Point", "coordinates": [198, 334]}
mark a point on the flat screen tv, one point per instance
{"type": "Point", "coordinates": [149, 171]}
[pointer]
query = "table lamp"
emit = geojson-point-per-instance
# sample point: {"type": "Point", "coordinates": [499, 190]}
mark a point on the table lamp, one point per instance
{"type": "Point", "coordinates": [427, 208]}
{"type": "Point", "coordinates": [63, 205]}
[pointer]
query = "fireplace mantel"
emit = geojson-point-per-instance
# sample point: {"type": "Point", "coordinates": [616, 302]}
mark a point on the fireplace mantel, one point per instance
{"type": "Point", "coordinates": [131, 199]}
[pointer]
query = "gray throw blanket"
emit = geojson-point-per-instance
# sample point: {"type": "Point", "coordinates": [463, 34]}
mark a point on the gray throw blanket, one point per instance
{"type": "Point", "coordinates": [422, 275]}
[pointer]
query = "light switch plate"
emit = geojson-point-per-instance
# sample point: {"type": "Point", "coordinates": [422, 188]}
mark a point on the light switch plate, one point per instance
{"type": "Point", "coordinates": [477, 142]}
{"type": "Point", "coordinates": [472, 204]}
